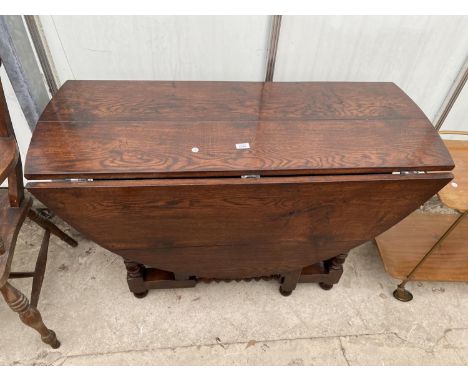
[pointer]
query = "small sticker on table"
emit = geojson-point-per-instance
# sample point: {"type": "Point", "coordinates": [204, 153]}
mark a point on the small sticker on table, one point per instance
{"type": "Point", "coordinates": [242, 146]}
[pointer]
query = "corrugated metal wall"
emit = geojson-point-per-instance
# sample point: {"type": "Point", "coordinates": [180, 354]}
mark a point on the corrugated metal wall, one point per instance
{"type": "Point", "coordinates": [421, 54]}
{"type": "Point", "coordinates": [458, 116]}
{"type": "Point", "coordinates": [231, 48]}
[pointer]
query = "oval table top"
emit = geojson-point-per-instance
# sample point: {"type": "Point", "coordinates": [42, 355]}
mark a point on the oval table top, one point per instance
{"type": "Point", "coordinates": [173, 129]}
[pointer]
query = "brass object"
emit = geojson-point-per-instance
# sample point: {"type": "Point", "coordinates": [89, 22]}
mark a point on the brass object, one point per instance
{"type": "Point", "coordinates": [454, 132]}
{"type": "Point", "coordinates": [401, 293]}
{"type": "Point", "coordinates": [273, 47]}
{"type": "Point", "coordinates": [454, 93]}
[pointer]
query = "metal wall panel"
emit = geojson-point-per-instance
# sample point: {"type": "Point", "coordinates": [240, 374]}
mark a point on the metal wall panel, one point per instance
{"type": "Point", "coordinates": [421, 54]}
{"type": "Point", "coordinates": [19, 61]}
{"type": "Point", "coordinates": [231, 48]}
{"type": "Point", "coordinates": [457, 119]}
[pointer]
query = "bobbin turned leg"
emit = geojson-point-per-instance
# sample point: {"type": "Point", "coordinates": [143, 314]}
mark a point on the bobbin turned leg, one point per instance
{"type": "Point", "coordinates": [289, 281]}
{"type": "Point", "coordinates": [29, 315]}
{"type": "Point", "coordinates": [135, 278]}
{"type": "Point", "coordinates": [335, 269]}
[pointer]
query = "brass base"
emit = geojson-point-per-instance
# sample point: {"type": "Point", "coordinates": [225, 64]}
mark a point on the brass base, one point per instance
{"type": "Point", "coordinates": [401, 294]}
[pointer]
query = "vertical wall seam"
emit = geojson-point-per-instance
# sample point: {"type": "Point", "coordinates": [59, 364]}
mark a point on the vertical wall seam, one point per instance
{"type": "Point", "coordinates": [62, 46]}
{"type": "Point", "coordinates": [273, 47]}
{"type": "Point", "coordinates": [43, 52]}
{"type": "Point", "coordinates": [452, 96]}
{"type": "Point", "coordinates": [17, 77]}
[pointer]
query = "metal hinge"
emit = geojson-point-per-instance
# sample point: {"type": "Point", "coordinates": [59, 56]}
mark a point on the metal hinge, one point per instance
{"type": "Point", "coordinates": [408, 172]}
{"type": "Point", "coordinates": [252, 176]}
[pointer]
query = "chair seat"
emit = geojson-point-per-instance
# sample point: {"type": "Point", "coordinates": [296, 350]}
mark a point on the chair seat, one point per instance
{"type": "Point", "coordinates": [11, 220]}
{"type": "Point", "coordinates": [8, 157]}
{"type": "Point", "coordinates": [455, 194]}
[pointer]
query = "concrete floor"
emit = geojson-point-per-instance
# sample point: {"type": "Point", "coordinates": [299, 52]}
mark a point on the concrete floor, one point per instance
{"type": "Point", "coordinates": [86, 301]}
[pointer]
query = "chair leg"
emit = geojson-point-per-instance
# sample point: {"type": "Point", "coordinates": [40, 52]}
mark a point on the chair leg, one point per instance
{"type": "Point", "coordinates": [29, 315]}
{"type": "Point", "coordinates": [48, 225]}
{"type": "Point", "coordinates": [39, 271]}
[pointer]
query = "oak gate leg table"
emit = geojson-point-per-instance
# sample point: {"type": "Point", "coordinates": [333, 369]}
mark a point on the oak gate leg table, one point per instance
{"type": "Point", "coordinates": [191, 181]}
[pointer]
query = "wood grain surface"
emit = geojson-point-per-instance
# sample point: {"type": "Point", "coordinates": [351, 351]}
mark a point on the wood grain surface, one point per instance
{"type": "Point", "coordinates": [455, 194]}
{"type": "Point", "coordinates": [227, 101]}
{"type": "Point", "coordinates": [404, 245]}
{"type": "Point", "coordinates": [8, 157]}
{"type": "Point", "coordinates": [152, 129]}
{"type": "Point", "coordinates": [236, 228]}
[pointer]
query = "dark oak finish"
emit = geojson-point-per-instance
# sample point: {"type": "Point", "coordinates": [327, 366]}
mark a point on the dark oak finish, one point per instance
{"type": "Point", "coordinates": [264, 226]}
{"type": "Point", "coordinates": [289, 281]}
{"type": "Point", "coordinates": [325, 153]}
{"type": "Point", "coordinates": [123, 130]}
{"type": "Point", "coordinates": [14, 208]}
{"type": "Point", "coordinates": [227, 101]}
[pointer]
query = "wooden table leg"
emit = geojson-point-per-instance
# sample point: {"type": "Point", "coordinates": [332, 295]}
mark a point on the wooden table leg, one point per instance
{"type": "Point", "coordinates": [29, 315]}
{"type": "Point", "coordinates": [289, 281]}
{"type": "Point", "coordinates": [334, 266]}
{"type": "Point", "coordinates": [136, 278]}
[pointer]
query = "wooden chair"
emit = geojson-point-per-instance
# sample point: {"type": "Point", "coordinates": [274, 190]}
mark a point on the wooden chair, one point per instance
{"type": "Point", "coordinates": [432, 247]}
{"type": "Point", "coordinates": [15, 206]}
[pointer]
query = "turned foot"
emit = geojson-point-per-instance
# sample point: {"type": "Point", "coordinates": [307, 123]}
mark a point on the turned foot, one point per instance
{"type": "Point", "coordinates": [285, 293]}
{"type": "Point", "coordinates": [136, 278]}
{"type": "Point", "coordinates": [141, 295]}
{"type": "Point", "coordinates": [289, 281]}
{"type": "Point", "coordinates": [325, 286]}
{"type": "Point", "coordinates": [28, 314]}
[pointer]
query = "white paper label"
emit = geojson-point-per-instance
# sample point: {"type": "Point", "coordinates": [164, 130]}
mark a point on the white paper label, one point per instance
{"type": "Point", "coordinates": [242, 146]}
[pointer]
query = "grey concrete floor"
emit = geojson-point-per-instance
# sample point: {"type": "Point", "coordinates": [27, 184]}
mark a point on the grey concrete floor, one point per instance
{"type": "Point", "coordinates": [86, 301]}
